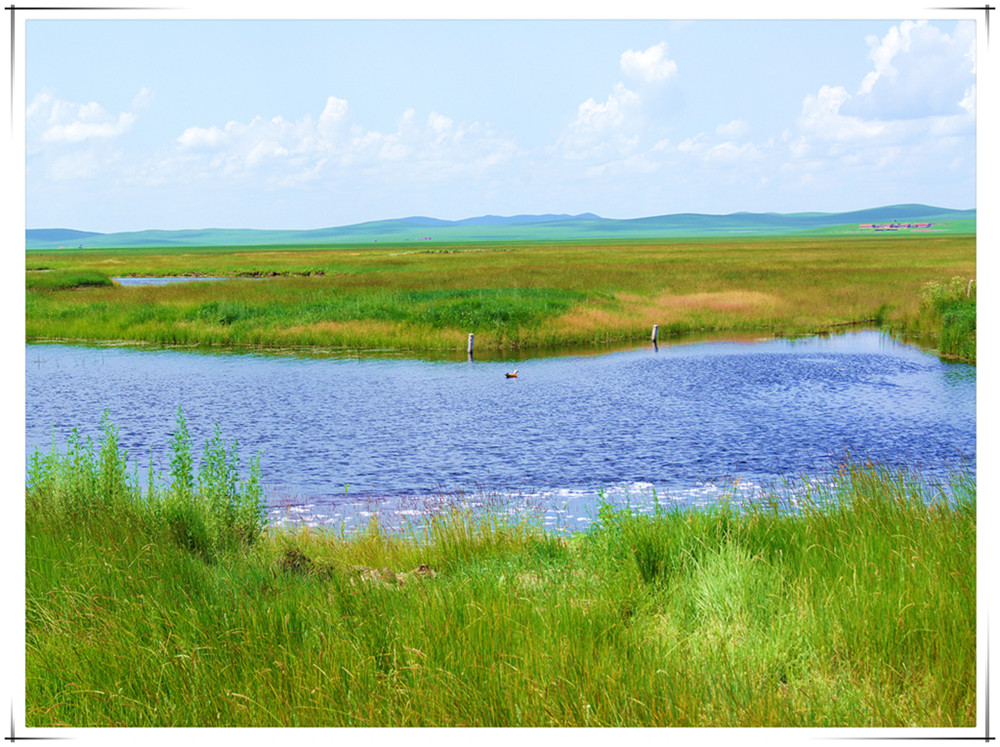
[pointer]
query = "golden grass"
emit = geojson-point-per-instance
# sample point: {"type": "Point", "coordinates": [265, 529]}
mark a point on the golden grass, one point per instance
{"type": "Point", "coordinates": [586, 320]}
{"type": "Point", "coordinates": [631, 314]}
{"type": "Point", "coordinates": [735, 301]}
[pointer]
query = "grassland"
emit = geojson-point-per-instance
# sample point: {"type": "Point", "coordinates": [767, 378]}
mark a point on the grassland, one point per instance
{"type": "Point", "coordinates": [513, 295]}
{"type": "Point", "coordinates": [174, 607]}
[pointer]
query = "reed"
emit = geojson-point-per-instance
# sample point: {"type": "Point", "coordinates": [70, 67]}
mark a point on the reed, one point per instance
{"type": "Point", "coordinates": [948, 317]}
{"type": "Point", "coordinates": [854, 608]}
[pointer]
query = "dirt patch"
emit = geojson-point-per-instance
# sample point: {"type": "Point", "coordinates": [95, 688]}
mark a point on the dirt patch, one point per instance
{"type": "Point", "coordinates": [388, 577]}
{"type": "Point", "coordinates": [293, 560]}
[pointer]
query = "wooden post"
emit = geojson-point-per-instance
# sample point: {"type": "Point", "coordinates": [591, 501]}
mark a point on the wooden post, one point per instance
{"type": "Point", "coordinates": [656, 329]}
{"type": "Point", "coordinates": [472, 338]}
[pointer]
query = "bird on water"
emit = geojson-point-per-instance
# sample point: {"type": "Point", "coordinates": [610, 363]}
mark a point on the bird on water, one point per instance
{"type": "Point", "coordinates": [511, 375]}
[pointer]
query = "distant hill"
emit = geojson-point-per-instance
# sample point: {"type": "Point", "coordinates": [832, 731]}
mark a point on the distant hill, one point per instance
{"type": "Point", "coordinates": [527, 227]}
{"type": "Point", "coordinates": [60, 235]}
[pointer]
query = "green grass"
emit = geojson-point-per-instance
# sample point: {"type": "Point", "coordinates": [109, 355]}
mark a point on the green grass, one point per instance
{"type": "Point", "coordinates": [857, 609]}
{"type": "Point", "coordinates": [511, 295]}
{"type": "Point", "coordinates": [207, 512]}
{"type": "Point", "coordinates": [54, 280]}
{"type": "Point", "coordinates": [948, 310]}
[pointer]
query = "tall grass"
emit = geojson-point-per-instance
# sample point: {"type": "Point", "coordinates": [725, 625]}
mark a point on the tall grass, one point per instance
{"type": "Point", "coordinates": [951, 310]}
{"type": "Point", "coordinates": [224, 512]}
{"type": "Point", "coordinates": [855, 609]}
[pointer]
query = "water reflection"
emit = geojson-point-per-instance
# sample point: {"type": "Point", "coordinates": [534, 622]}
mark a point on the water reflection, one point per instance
{"type": "Point", "coordinates": [484, 355]}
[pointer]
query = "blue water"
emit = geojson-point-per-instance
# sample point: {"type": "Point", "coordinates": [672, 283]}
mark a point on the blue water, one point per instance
{"type": "Point", "coordinates": [127, 281]}
{"type": "Point", "coordinates": [341, 439]}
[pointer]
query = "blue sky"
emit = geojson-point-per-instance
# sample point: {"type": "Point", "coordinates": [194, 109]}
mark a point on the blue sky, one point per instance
{"type": "Point", "coordinates": [134, 124]}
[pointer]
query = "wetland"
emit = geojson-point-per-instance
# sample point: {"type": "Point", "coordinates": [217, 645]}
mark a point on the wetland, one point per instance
{"type": "Point", "coordinates": [771, 522]}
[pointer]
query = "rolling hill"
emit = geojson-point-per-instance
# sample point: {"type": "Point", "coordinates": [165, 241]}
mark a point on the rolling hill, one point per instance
{"type": "Point", "coordinates": [547, 227]}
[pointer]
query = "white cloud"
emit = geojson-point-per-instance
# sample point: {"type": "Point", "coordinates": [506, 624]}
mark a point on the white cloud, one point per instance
{"type": "Point", "coordinates": [282, 152]}
{"type": "Point", "coordinates": [968, 102]}
{"type": "Point", "coordinates": [914, 112]}
{"type": "Point", "coordinates": [603, 130]}
{"type": "Point", "coordinates": [799, 147]}
{"type": "Point", "coordinates": [735, 128]}
{"type": "Point", "coordinates": [693, 145]}
{"type": "Point", "coordinates": [142, 99]}
{"type": "Point", "coordinates": [856, 136]}
{"type": "Point", "coordinates": [913, 115]}
{"type": "Point", "coordinates": [52, 120]}
{"type": "Point", "coordinates": [441, 125]}
{"type": "Point", "coordinates": [69, 143]}
{"type": "Point", "coordinates": [334, 115]}
{"type": "Point", "coordinates": [731, 153]}
{"type": "Point", "coordinates": [649, 66]}
{"type": "Point", "coordinates": [821, 117]}
{"type": "Point", "coordinates": [200, 137]}
{"type": "Point", "coordinates": [884, 148]}
{"type": "Point", "coordinates": [75, 132]}
{"type": "Point", "coordinates": [609, 115]}
{"type": "Point", "coordinates": [611, 135]}
{"type": "Point", "coordinates": [919, 70]}
{"type": "Point", "coordinates": [917, 104]}
{"type": "Point", "coordinates": [439, 122]}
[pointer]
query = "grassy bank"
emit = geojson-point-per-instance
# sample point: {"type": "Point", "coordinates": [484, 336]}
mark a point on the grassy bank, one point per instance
{"type": "Point", "coordinates": [514, 295]}
{"type": "Point", "coordinates": [856, 610]}
{"type": "Point", "coordinates": [948, 317]}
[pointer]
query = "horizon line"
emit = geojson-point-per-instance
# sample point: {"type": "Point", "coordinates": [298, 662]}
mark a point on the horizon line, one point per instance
{"type": "Point", "coordinates": [585, 214]}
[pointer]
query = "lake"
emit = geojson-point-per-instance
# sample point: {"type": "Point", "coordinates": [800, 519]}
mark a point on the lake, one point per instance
{"type": "Point", "coordinates": [341, 439]}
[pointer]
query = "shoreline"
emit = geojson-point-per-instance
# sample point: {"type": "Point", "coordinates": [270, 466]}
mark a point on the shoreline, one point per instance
{"type": "Point", "coordinates": [459, 354]}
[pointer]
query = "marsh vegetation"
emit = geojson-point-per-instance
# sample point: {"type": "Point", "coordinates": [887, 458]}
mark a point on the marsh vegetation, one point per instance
{"type": "Point", "coordinates": [512, 296]}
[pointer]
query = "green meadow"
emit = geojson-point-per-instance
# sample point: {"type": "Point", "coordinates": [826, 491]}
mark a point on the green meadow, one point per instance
{"type": "Point", "coordinates": [177, 607]}
{"type": "Point", "coordinates": [513, 296]}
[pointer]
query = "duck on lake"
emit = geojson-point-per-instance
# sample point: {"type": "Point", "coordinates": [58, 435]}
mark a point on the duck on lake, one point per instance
{"type": "Point", "coordinates": [511, 375]}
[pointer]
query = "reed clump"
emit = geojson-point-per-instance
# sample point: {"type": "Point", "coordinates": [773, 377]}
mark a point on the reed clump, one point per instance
{"type": "Point", "coordinates": [948, 314]}
{"type": "Point", "coordinates": [854, 607]}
